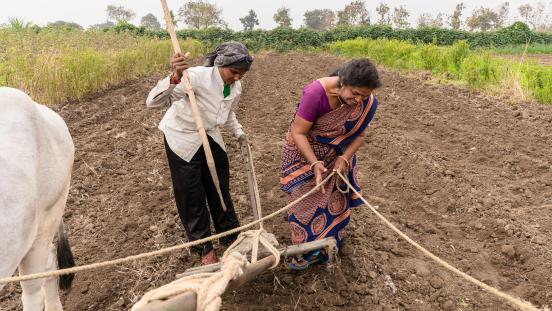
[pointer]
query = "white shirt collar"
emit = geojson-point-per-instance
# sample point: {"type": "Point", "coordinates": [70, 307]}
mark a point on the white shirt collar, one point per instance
{"type": "Point", "coordinates": [218, 77]}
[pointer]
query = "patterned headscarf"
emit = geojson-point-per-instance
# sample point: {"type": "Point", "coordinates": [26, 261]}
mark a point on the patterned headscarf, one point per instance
{"type": "Point", "coordinates": [229, 54]}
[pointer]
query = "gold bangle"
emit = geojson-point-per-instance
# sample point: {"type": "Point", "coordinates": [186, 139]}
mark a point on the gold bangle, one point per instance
{"type": "Point", "coordinates": [346, 161]}
{"type": "Point", "coordinates": [314, 163]}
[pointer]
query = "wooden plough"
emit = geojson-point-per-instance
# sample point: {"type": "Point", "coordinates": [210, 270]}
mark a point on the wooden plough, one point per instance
{"type": "Point", "coordinates": [188, 300]}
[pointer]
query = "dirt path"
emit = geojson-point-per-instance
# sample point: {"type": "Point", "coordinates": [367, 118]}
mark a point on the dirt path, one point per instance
{"type": "Point", "coordinates": [542, 59]}
{"type": "Point", "coordinates": [467, 176]}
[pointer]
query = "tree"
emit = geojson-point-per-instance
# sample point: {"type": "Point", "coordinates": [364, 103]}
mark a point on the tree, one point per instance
{"type": "Point", "coordinates": [482, 19]}
{"type": "Point", "coordinates": [65, 25]}
{"type": "Point", "coordinates": [250, 20]}
{"type": "Point", "coordinates": [427, 20]}
{"type": "Point", "coordinates": [400, 17]}
{"type": "Point", "coordinates": [534, 16]}
{"type": "Point", "coordinates": [174, 20]}
{"type": "Point", "coordinates": [319, 19]}
{"type": "Point", "coordinates": [384, 15]}
{"type": "Point", "coordinates": [150, 22]}
{"type": "Point", "coordinates": [201, 14]}
{"type": "Point", "coordinates": [485, 19]}
{"type": "Point", "coordinates": [102, 26]}
{"type": "Point", "coordinates": [502, 15]}
{"type": "Point", "coordinates": [455, 20]}
{"type": "Point", "coordinates": [354, 13]}
{"type": "Point", "coordinates": [282, 17]}
{"type": "Point", "coordinates": [526, 12]}
{"type": "Point", "coordinates": [438, 21]}
{"type": "Point", "coordinates": [424, 20]}
{"type": "Point", "coordinates": [119, 14]}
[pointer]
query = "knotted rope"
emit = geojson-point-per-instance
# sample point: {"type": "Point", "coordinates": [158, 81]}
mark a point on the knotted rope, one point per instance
{"type": "Point", "coordinates": [209, 287]}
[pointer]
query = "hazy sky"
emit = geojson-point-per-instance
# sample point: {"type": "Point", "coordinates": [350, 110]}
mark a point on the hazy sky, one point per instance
{"type": "Point", "coordinates": [91, 12]}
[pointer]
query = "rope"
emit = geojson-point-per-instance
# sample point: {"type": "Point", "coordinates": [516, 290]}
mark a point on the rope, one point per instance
{"type": "Point", "coordinates": [251, 240]}
{"type": "Point", "coordinates": [161, 251]}
{"type": "Point", "coordinates": [517, 302]}
{"type": "Point", "coordinates": [338, 186]}
{"type": "Point", "coordinates": [209, 287]}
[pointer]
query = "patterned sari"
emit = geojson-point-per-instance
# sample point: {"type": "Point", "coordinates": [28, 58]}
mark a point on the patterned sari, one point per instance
{"type": "Point", "coordinates": [323, 215]}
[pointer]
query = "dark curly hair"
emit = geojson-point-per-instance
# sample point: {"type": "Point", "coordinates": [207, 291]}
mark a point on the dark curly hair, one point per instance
{"type": "Point", "coordinates": [358, 72]}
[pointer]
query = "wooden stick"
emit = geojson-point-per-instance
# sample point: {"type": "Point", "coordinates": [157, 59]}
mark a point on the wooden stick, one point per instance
{"type": "Point", "coordinates": [201, 269]}
{"type": "Point", "coordinates": [170, 27]}
{"type": "Point", "coordinates": [193, 104]}
{"type": "Point", "coordinates": [327, 243]}
{"type": "Point", "coordinates": [252, 183]}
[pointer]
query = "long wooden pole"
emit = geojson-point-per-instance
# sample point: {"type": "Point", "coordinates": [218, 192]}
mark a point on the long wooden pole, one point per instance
{"type": "Point", "coordinates": [329, 244]}
{"type": "Point", "coordinates": [252, 183]}
{"type": "Point", "coordinates": [193, 104]}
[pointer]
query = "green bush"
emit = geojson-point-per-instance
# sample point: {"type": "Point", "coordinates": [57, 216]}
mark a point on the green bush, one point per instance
{"type": "Point", "coordinates": [433, 58]}
{"type": "Point", "coordinates": [53, 65]}
{"type": "Point", "coordinates": [458, 52]}
{"type": "Point", "coordinates": [538, 80]}
{"type": "Point", "coordinates": [481, 70]}
{"type": "Point", "coordinates": [478, 69]}
{"type": "Point", "coordinates": [285, 39]}
{"type": "Point", "coordinates": [392, 53]}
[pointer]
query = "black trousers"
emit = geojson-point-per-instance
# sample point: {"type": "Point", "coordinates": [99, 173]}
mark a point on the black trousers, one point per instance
{"type": "Point", "coordinates": [194, 187]}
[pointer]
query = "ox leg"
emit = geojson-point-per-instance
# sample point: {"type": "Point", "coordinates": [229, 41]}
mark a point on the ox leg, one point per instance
{"type": "Point", "coordinates": [41, 294]}
{"type": "Point", "coordinates": [38, 294]}
{"type": "Point", "coordinates": [34, 262]}
{"type": "Point", "coordinates": [51, 293]}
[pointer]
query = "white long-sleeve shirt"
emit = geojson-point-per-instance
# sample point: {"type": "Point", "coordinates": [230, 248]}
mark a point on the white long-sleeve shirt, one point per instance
{"type": "Point", "coordinates": [179, 125]}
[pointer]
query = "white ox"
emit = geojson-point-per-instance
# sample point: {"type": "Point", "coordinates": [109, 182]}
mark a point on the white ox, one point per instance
{"type": "Point", "coordinates": [36, 158]}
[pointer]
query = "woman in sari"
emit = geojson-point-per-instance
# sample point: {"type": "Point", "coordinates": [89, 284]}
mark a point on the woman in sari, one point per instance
{"type": "Point", "coordinates": [324, 135]}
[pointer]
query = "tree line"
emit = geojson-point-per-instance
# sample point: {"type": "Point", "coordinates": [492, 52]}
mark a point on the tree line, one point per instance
{"type": "Point", "coordinates": [201, 14]}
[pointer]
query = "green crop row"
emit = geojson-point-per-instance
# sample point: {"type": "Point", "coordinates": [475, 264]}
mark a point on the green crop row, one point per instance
{"type": "Point", "coordinates": [59, 65]}
{"type": "Point", "coordinates": [285, 39]}
{"type": "Point", "coordinates": [479, 69]}
{"type": "Point", "coordinates": [54, 66]}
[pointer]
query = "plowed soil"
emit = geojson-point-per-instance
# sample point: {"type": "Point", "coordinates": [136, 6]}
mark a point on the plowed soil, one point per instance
{"type": "Point", "coordinates": [466, 175]}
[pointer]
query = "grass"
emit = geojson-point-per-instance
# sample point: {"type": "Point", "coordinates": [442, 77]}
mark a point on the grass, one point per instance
{"type": "Point", "coordinates": [462, 304]}
{"type": "Point", "coordinates": [54, 66]}
{"type": "Point", "coordinates": [475, 68]}
{"type": "Point", "coordinates": [518, 49]}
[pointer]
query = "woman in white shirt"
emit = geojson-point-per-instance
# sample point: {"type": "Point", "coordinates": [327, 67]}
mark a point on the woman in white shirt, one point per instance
{"type": "Point", "coordinates": [217, 89]}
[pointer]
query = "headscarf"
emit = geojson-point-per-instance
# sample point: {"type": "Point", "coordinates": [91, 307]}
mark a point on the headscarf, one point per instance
{"type": "Point", "coordinates": [229, 54]}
